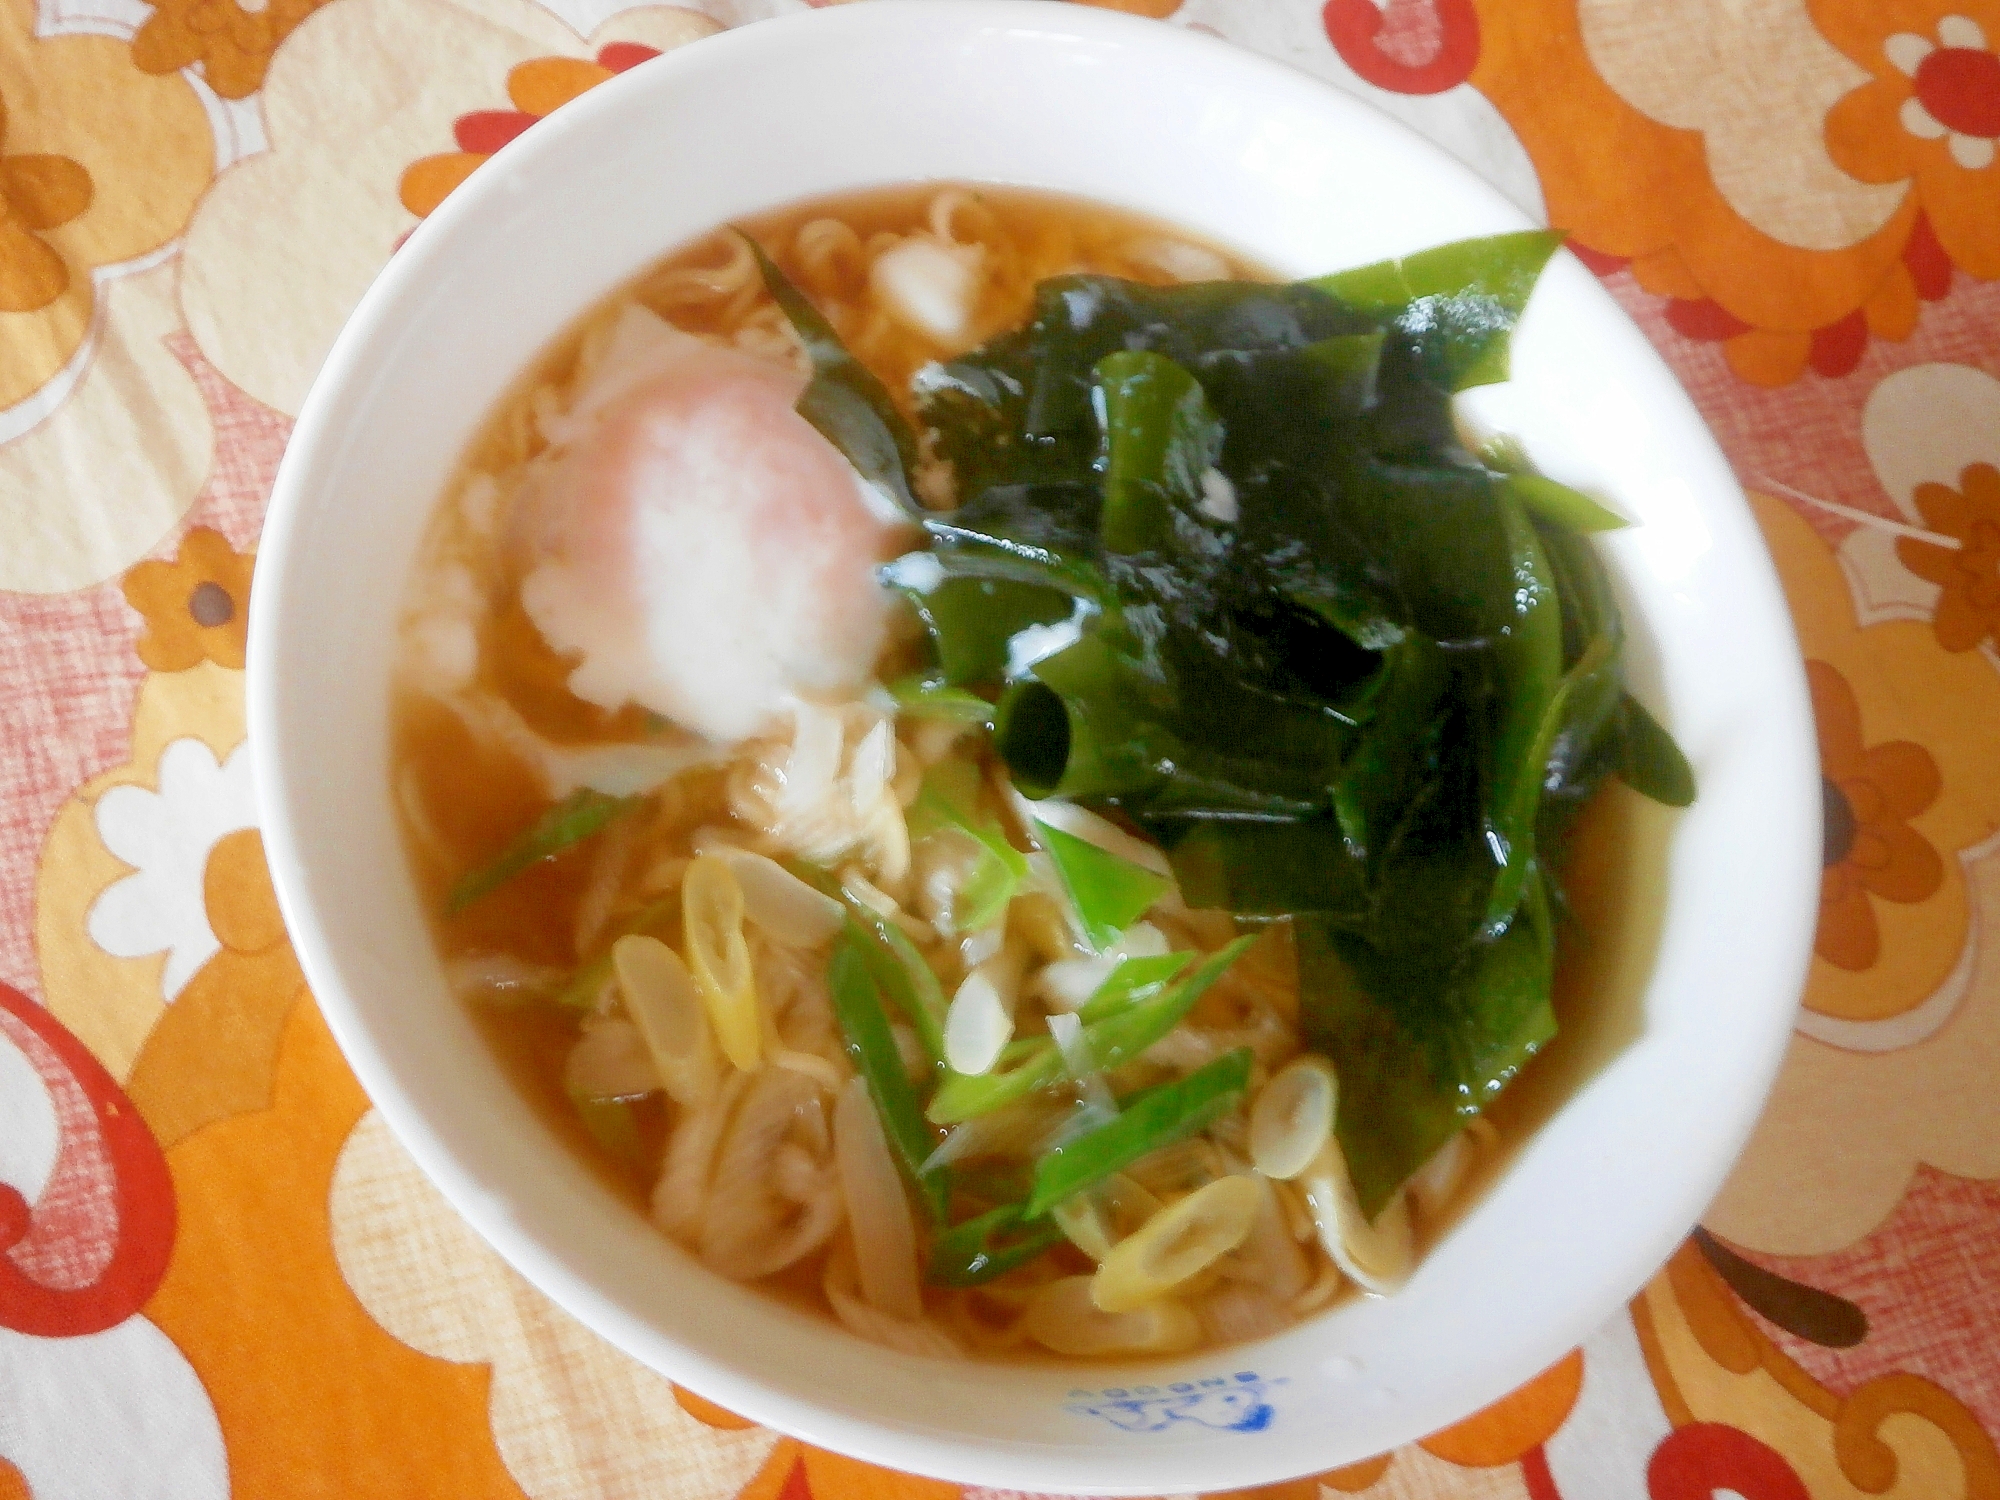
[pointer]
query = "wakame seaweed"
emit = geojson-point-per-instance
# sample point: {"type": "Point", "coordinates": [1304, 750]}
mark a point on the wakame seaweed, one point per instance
{"type": "Point", "coordinates": [1225, 570]}
{"type": "Point", "coordinates": [845, 400]}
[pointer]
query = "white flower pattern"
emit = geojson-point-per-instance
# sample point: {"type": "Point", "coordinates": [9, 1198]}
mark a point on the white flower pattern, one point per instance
{"type": "Point", "coordinates": [166, 836]}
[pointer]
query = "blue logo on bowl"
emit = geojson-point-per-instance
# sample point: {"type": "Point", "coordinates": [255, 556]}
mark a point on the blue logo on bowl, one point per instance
{"type": "Point", "coordinates": [1228, 1403]}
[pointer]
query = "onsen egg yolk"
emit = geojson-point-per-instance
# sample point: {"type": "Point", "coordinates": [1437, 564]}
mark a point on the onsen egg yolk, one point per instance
{"type": "Point", "coordinates": [703, 552]}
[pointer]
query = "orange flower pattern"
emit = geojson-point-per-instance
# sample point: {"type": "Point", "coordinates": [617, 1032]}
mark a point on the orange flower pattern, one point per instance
{"type": "Point", "coordinates": [181, 1079]}
{"type": "Point", "coordinates": [196, 607]}
{"type": "Point", "coordinates": [1518, 1422]}
{"type": "Point", "coordinates": [253, 1254]}
{"type": "Point", "coordinates": [232, 42]}
{"type": "Point", "coordinates": [1871, 793]}
{"type": "Point", "coordinates": [38, 192]}
{"type": "Point", "coordinates": [537, 89]}
{"type": "Point", "coordinates": [1637, 186]}
{"type": "Point", "coordinates": [1771, 358]}
{"type": "Point", "coordinates": [1968, 609]}
{"type": "Point", "coordinates": [1929, 116]}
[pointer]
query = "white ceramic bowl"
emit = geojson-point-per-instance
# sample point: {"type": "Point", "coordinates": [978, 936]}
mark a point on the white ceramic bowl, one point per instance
{"type": "Point", "coordinates": [1304, 179]}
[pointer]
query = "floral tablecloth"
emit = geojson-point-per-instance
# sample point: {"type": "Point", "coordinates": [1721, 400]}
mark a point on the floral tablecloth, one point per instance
{"type": "Point", "coordinates": [219, 1274]}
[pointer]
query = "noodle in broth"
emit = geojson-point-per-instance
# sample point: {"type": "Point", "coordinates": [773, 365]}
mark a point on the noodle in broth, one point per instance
{"type": "Point", "coordinates": [662, 985]}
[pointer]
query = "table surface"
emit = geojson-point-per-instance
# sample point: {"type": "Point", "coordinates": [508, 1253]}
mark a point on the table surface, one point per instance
{"type": "Point", "coordinates": [218, 1273]}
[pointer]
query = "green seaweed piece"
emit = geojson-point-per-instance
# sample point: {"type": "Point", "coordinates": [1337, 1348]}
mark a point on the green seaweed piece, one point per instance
{"type": "Point", "coordinates": [1457, 303]}
{"type": "Point", "coordinates": [1558, 504]}
{"type": "Point", "coordinates": [925, 695]}
{"type": "Point", "coordinates": [844, 400]}
{"type": "Point", "coordinates": [1420, 1049]}
{"type": "Point", "coordinates": [1529, 693]}
{"type": "Point", "coordinates": [1649, 761]}
{"type": "Point", "coordinates": [1160, 439]}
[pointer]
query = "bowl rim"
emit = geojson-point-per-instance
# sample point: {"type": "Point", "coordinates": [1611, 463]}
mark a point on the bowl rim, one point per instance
{"type": "Point", "coordinates": [316, 441]}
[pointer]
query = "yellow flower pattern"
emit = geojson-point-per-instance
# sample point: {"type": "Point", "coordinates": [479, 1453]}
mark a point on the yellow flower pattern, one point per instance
{"type": "Point", "coordinates": [232, 42]}
{"type": "Point", "coordinates": [197, 607]}
{"type": "Point", "coordinates": [99, 165]}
